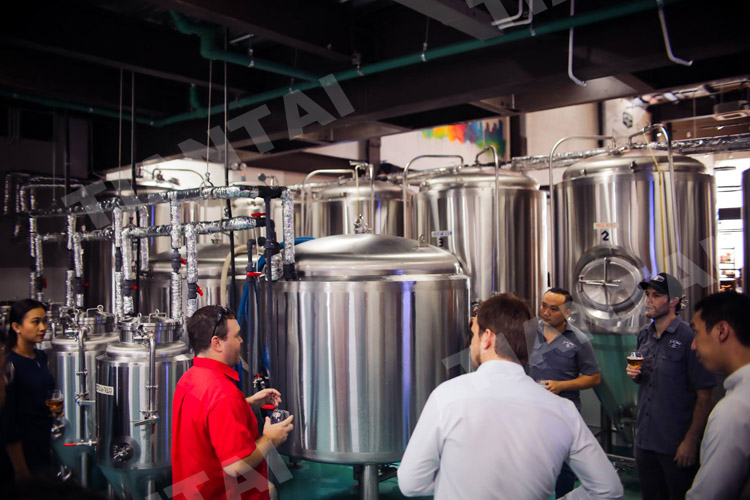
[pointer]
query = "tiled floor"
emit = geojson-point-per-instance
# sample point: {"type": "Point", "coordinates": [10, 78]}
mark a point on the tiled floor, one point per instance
{"type": "Point", "coordinates": [322, 481]}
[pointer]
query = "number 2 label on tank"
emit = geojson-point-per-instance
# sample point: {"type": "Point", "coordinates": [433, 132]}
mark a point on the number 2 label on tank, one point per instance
{"type": "Point", "coordinates": [605, 229]}
{"type": "Point", "coordinates": [105, 389]}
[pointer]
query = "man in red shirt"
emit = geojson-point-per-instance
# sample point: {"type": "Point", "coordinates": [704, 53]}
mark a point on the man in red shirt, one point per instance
{"type": "Point", "coordinates": [217, 452]}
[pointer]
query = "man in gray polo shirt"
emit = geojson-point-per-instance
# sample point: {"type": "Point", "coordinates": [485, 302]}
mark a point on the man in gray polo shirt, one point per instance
{"type": "Point", "coordinates": [674, 395]}
{"type": "Point", "coordinates": [562, 360]}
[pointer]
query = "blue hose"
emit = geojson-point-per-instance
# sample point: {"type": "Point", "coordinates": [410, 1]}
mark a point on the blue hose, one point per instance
{"type": "Point", "coordinates": [297, 241]}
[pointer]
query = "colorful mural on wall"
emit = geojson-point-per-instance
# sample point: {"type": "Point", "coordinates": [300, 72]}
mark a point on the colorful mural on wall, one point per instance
{"type": "Point", "coordinates": [481, 133]}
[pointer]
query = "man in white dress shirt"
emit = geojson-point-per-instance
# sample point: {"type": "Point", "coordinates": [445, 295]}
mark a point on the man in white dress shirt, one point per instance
{"type": "Point", "coordinates": [722, 340]}
{"type": "Point", "coordinates": [495, 433]}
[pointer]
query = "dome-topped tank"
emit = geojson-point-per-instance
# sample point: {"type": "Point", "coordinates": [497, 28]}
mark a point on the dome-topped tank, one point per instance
{"type": "Point", "coordinates": [360, 340]}
{"type": "Point", "coordinates": [136, 379]}
{"type": "Point", "coordinates": [333, 208]}
{"type": "Point", "coordinates": [455, 212]}
{"type": "Point", "coordinates": [614, 227]}
{"type": "Point", "coordinates": [80, 336]}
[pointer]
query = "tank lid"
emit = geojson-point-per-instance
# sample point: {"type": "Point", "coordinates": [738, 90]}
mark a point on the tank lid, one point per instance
{"type": "Point", "coordinates": [131, 350]}
{"type": "Point", "coordinates": [348, 189]}
{"type": "Point", "coordinates": [632, 162]}
{"type": "Point", "coordinates": [370, 255]}
{"type": "Point", "coordinates": [480, 177]}
{"type": "Point", "coordinates": [92, 343]}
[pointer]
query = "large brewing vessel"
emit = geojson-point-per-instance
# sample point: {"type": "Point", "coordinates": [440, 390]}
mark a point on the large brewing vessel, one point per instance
{"type": "Point", "coordinates": [370, 327]}
{"type": "Point", "coordinates": [332, 208]}
{"type": "Point", "coordinates": [613, 221]}
{"type": "Point", "coordinates": [455, 212]}
{"type": "Point", "coordinates": [136, 379]}
{"type": "Point", "coordinates": [75, 346]}
{"type": "Point", "coordinates": [745, 228]}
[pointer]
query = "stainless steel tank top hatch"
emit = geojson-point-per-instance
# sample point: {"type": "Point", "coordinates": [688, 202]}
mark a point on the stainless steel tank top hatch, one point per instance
{"type": "Point", "coordinates": [370, 327]}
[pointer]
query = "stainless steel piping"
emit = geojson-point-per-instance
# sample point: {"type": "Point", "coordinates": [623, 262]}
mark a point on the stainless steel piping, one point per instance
{"type": "Point", "coordinates": [495, 216]}
{"type": "Point", "coordinates": [405, 187]}
{"type": "Point", "coordinates": [305, 195]}
{"type": "Point", "coordinates": [371, 172]}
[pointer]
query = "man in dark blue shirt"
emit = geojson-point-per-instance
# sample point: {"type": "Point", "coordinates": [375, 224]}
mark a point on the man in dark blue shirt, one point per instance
{"type": "Point", "coordinates": [674, 395]}
{"type": "Point", "coordinates": [562, 360]}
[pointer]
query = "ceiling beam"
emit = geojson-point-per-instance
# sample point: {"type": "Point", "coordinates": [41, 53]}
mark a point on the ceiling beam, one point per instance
{"type": "Point", "coordinates": [456, 14]}
{"type": "Point", "coordinates": [281, 23]}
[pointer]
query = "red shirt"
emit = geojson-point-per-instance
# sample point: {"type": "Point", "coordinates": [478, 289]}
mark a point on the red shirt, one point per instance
{"type": "Point", "coordinates": [212, 427]}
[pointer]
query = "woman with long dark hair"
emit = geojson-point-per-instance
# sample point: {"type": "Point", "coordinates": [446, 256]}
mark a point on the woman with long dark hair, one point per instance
{"type": "Point", "coordinates": [25, 420]}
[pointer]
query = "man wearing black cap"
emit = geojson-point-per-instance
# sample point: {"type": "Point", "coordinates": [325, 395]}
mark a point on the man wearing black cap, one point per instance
{"type": "Point", "coordinates": [674, 395]}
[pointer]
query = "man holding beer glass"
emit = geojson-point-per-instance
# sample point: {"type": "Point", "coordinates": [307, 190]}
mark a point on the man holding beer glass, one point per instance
{"type": "Point", "coordinates": [674, 394]}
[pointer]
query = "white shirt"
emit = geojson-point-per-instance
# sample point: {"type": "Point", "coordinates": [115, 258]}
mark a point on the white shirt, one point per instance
{"type": "Point", "coordinates": [725, 449]}
{"type": "Point", "coordinates": [497, 434]}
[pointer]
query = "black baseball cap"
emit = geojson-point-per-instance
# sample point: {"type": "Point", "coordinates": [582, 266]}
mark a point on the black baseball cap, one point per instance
{"type": "Point", "coordinates": [665, 283]}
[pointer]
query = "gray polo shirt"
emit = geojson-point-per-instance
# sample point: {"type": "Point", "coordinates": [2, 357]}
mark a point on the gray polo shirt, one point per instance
{"type": "Point", "coordinates": [569, 355]}
{"type": "Point", "coordinates": [670, 377]}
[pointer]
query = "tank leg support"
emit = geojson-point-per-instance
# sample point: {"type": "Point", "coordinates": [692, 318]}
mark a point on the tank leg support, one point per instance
{"type": "Point", "coordinates": [368, 483]}
{"type": "Point", "coordinates": [85, 470]}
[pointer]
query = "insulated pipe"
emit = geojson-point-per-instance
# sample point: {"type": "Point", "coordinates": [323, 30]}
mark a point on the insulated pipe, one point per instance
{"type": "Point", "coordinates": [325, 171]}
{"type": "Point", "coordinates": [194, 194]}
{"type": "Point", "coordinates": [239, 223]}
{"type": "Point", "coordinates": [176, 281]}
{"type": "Point", "coordinates": [552, 190]}
{"type": "Point", "coordinates": [70, 272]}
{"type": "Point", "coordinates": [128, 275]}
{"type": "Point", "coordinates": [192, 270]}
{"type": "Point", "coordinates": [117, 235]}
{"type": "Point", "coordinates": [287, 215]}
{"type": "Point", "coordinates": [495, 216]}
{"type": "Point", "coordinates": [78, 265]}
{"type": "Point", "coordinates": [23, 205]}
{"type": "Point", "coordinates": [143, 223]}
{"type": "Point", "coordinates": [405, 187]}
{"type": "Point", "coordinates": [34, 262]}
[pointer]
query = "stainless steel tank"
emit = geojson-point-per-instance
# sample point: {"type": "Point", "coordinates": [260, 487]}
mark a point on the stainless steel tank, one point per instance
{"type": "Point", "coordinates": [156, 289]}
{"type": "Point", "coordinates": [72, 358]}
{"type": "Point", "coordinates": [745, 228]}
{"type": "Point", "coordinates": [333, 208]}
{"type": "Point", "coordinates": [362, 337]}
{"type": "Point", "coordinates": [454, 211]}
{"type": "Point", "coordinates": [613, 218]}
{"type": "Point", "coordinates": [135, 386]}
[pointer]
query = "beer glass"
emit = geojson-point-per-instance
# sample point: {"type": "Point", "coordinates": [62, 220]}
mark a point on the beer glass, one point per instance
{"type": "Point", "coordinates": [635, 359]}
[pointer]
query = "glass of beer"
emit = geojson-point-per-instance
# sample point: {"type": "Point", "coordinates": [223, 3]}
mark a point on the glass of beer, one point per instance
{"type": "Point", "coordinates": [635, 359]}
{"type": "Point", "coordinates": [55, 402]}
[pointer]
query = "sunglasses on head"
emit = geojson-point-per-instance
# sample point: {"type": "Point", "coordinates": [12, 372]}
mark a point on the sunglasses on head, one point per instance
{"type": "Point", "coordinates": [220, 316]}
